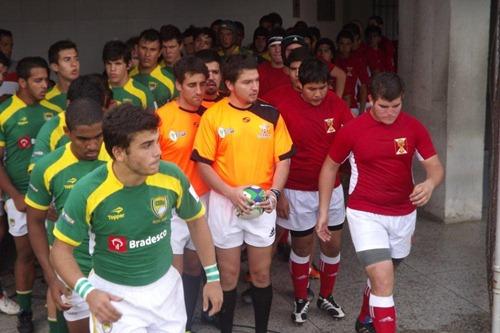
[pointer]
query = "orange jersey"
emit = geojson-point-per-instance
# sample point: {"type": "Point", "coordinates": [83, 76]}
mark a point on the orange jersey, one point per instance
{"type": "Point", "coordinates": [208, 103]}
{"type": "Point", "coordinates": [242, 145]}
{"type": "Point", "coordinates": [177, 131]}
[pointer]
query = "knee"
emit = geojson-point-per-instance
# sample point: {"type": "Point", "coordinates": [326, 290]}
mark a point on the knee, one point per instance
{"type": "Point", "coordinates": [229, 277]}
{"type": "Point", "coordinates": [382, 285]}
{"type": "Point", "coordinates": [261, 278]}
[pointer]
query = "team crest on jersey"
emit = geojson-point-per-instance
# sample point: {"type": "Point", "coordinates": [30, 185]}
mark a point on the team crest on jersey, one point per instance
{"type": "Point", "coordinates": [70, 183]}
{"type": "Point", "coordinates": [265, 131]}
{"type": "Point", "coordinates": [116, 214]}
{"type": "Point", "coordinates": [107, 327]}
{"type": "Point", "coordinates": [117, 244]}
{"type": "Point", "coordinates": [329, 125]}
{"type": "Point", "coordinates": [152, 85]}
{"type": "Point", "coordinates": [223, 132]}
{"type": "Point", "coordinates": [47, 115]}
{"type": "Point", "coordinates": [23, 121]}
{"type": "Point", "coordinates": [176, 135]}
{"type": "Point", "coordinates": [401, 146]}
{"type": "Point", "coordinates": [24, 142]}
{"type": "Point", "coordinates": [159, 205]}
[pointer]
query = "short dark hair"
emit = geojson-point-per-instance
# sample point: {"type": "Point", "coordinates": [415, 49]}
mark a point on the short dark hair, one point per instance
{"type": "Point", "coordinates": [326, 41]}
{"type": "Point", "coordinates": [25, 65]}
{"type": "Point", "coordinates": [313, 70]}
{"type": "Point", "coordinates": [377, 19]}
{"type": "Point", "coordinates": [275, 18]}
{"type": "Point", "coordinates": [5, 32]}
{"type": "Point", "coordinates": [189, 64]}
{"type": "Point", "coordinates": [353, 28]}
{"type": "Point", "coordinates": [299, 54]}
{"type": "Point", "coordinates": [235, 64]}
{"type": "Point", "coordinates": [57, 47]}
{"type": "Point", "coordinates": [150, 35]}
{"type": "Point", "coordinates": [205, 31]}
{"type": "Point", "coordinates": [4, 60]}
{"type": "Point", "coordinates": [116, 50]}
{"type": "Point", "coordinates": [83, 111]}
{"type": "Point", "coordinates": [169, 32]}
{"type": "Point", "coordinates": [314, 32]}
{"type": "Point", "coordinates": [209, 56]}
{"type": "Point", "coordinates": [345, 34]}
{"type": "Point", "coordinates": [372, 31]}
{"type": "Point", "coordinates": [190, 31]}
{"type": "Point", "coordinates": [260, 31]}
{"type": "Point", "coordinates": [124, 121]}
{"type": "Point", "coordinates": [92, 86]}
{"type": "Point", "coordinates": [386, 85]}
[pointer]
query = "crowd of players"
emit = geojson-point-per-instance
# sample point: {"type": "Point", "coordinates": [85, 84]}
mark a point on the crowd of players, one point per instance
{"type": "Point", "coordinates": [110, 180]}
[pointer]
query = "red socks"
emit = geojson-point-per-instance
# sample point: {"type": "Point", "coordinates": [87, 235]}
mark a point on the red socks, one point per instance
{"type": "Point", "coordinates": [383, 313]}
{"type": "Point", "coordinates": [328, 268]}
{"type": "Point", "coordinates": [299, 270]}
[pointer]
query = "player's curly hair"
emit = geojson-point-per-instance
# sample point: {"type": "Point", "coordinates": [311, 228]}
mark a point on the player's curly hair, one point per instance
{"type": "Point", "coordinates": [123, 122]}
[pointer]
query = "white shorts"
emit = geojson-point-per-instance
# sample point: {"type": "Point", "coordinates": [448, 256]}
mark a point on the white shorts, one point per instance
{"type": "Point", "coordinates": [180, 232]}
{"type": "Point", "coordinates": [229, 231]}
{"type": "Point", "coordinates": [373, 231]}
{"type": "Point", "coordinates": [155, 308]}
{"type": "Point", "coordinates": [79, 308]}
{"type": "Point", "coordinates": [304, 207]}
{"type": "Point", "coordinates": [17, 220]}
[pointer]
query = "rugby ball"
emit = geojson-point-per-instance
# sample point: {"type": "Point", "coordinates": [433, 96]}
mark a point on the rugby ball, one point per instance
{"type": "Point", "coordinates": [254, 195]}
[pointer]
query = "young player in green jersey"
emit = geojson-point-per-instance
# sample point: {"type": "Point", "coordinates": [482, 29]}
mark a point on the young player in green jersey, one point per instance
{"type": "Point", "coordinates": [128, 204]}
{"type": "Point", "coordinates": [116, 57]}
{"type": "Point", "coordinates": [52, 179]}
{"type": "Point", "coordinates": [21, 116]}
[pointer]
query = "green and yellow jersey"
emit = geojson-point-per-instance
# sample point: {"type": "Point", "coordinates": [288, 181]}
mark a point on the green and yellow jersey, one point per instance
{"type": "Point", "coordinates": [52, 179]}
{"type": "Point", "coordinates": [19, 126]}
{"type": "Point", "coordinates": [50, 137]}
{"type": "Point", "coordinates": [160, 82]}
{"type": "Point", "coordinates": [135, 93]}
{"type": "Point", "coordinates": [131, 224]}
{"type": "Point", "coordinates": [57, 98]}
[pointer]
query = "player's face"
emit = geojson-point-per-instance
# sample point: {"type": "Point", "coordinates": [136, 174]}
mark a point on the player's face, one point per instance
{"type": "Point", "coordinates": [148, 51]}
{"type": "Point", "coordinates": [260, 43]}
{"type": "Point", "coordinates": [188, 44]}
{"type": "Point", "coordinates": [293, 72]}
{"type": "Point", "coordinates": [325, 53]}
{"type": "Point", "coordinates": [117, 72]}
{"type": "Point", "coordinates": [315, 92]}
{"type": "Point", "coordinates": [192, 90]}
{"type": "Point", "coordinates": [68, 65]}
{"type": "Point", "coordinates": [6, 45]}
{"type": "Point", "coordinates": [226, 38]}
{"type": "Point", "coordinates": [171, 51]}
{"type": "Point", "coordinates": [86, 141]}
{"type": "Point", "coordinates": [202, 42]}
{"type": "Point", "coordinates": [386, 111]}
{"type": "Point", "coordinates": [214, 78]}
{"type": "Point", "coordinates": [345, 46]}
{"type": "Point", "coordinates": [275, 53]}
{"type": "Point", "coordinates": [37, 84]}
{"type": "Point", "coordinates": [143, 154]}
{"type": "Point", "coordinates": [246, 87]}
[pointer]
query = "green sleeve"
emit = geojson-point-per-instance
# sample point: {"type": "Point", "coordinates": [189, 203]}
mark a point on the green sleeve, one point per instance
{"type": "Point", "coordinates": [38, 195]}
{"type": "Point", "coordinates": [42, 142]}
{"type": "Point", "coordinates": [189, 206]}
{"type": "Point", "coordinates": [72, 227]}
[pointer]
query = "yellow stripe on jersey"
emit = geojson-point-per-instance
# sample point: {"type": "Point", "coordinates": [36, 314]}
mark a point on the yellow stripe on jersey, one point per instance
{"type": "Point", "coordinates": [63, 238]}
{"type": "Point", "coordinates": [103, 154]}
{"type": "Point", "coordinates": [33, 204]}
{"type": "Point", "coordinates": [58, 132]}
{"type": "Point", "coordinates": [129, 87]}
{"type": "Point", "coordinates": [51, 106]}
{"type": "Point", "coordinates": [109, 186]}
{"type": "Point", "coordinates": [16, 104]}
{"type": "Point", "coordinates": [64, 161]}
{"type": "Point", "coordinates": [52, 92]}
{"type": "Point", "coordinates": [197, 216]}
{"type": "Point", "coordinates": [167, 182]}
{"type": "Point", "coordinates": [134, 71]}
{"type": "Point", "coordinates": [157, 74]}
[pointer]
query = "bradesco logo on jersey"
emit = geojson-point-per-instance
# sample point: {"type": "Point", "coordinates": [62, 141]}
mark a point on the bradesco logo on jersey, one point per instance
{"type": "Point", "coordinates": [121, 244]}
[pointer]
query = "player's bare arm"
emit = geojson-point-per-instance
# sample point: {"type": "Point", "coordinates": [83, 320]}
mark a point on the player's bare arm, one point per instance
{"type": "Point", "coordinates": [279, 180]}
{"type": "Point", "coordinates": [65, 265]}
{"type": "Point", "coordinates": [340, 78]}
{"type": "Point", "coordinates": [202, 239]}
{"type": "Point", "coordinates": [7, 187]}
{"type": "Point", "coordinates": [328, 173]}
{"type": "Point", "coordinates": [422, 192]}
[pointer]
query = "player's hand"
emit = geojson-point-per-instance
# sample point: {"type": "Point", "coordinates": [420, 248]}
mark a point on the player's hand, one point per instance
{"type": "Point", "coordinates": [100, 305]}
{"type": "Point", "coordinates": [421, 193]}
{"type": "Point", "coordinates": [239, 200]}
{"type": "Point", "coordinates": [270, 203]}
{"type": "Point", "coordinates": [283, 207]}
{"type": "Point", "coordinates": [322, 229]}
{"type": "Point", "coordinates": [19, 202]}
{"type": "Point", "coordinates": [57, 291]}
{"type": "Point", "coordinates": [212, 297]}
{"type": "Point", "coordinates": [52, 213]}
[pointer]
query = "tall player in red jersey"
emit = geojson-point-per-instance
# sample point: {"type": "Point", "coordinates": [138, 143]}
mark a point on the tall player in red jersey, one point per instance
{"type": "Point", "coordinates": [381, 211]}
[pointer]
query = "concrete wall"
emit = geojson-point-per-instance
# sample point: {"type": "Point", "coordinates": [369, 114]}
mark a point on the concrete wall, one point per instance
{"type": "Point", "coordinates": [443, 60]}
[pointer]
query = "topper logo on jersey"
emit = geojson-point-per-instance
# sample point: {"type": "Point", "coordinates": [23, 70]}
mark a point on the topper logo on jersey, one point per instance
{"type": "Point", "coordinates": [265, 131]}
{"type": "Point", "coordinates": [24, 142]}
{"type": "Point", "coordinates": [246, 119]}
{"type": "Point", "coordinates": [175, 135]}
{"type": "Point", "coordinates": [117, 244]}
{"type": "Point", "coordinates": [70, 183]}
{"type": "Point", "coordinates": [223, 132]}
{"type": "Point", "coordinates": [116, 214]}
{"type": "Point", "coordinates": [329, 125]}
{"type": "Point", "coordinates": [401, 146]}
{"type": "Point", "coordinates": [159, 205]}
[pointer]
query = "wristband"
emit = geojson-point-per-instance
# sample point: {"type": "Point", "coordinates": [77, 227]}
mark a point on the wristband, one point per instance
{"type": "Point", "coordinates": [276, 192]}
{"type": "Point", "coordinates": [83, 287]}
{"type": "Point", "coordinates": [212, 273]}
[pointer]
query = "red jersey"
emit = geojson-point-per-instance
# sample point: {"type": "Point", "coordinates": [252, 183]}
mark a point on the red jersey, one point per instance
{"type": "Point", "coordinates": [381, 162]}
{"type": "Point", "coordinates": [312, 128]}
{"type": "Point", "coordinates": [355, 69]}
{"type": "Point", "coordinates": [270, 77]}
{"type": "Point", "coordinates": [277, 94]}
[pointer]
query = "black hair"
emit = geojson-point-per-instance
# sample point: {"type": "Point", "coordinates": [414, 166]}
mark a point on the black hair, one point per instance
{"type": "Point", "coordinates": [25, 65]}
{"type": "Point", "coordinates": [300, 25]}
{"type": "Point", "coordinates": [299, 54]}
{"type": "Point", "coordinates": [4, 60]}
{"type": "Point", "coordinates": [240, 28]}
{"type": "Point", "coordinates": [5, 32]}
{"type": "Point", "coordinates": [83, 111]}
{"type": "Point", "coordinates": [377, 19]}
{"type": "Point", "coordinates": [372, 31]}
{"type": "Point", "coordinates": [170, 32]}
{"type": "Point", "coordinates": [57, 47]}
{"type": "Point", "coordinates": [191, 65]}
{"type": "Point", "coordinates": [353, 28]}
{"type": "Point", "coordinates": [116, 50]}
{"type": "Point", "coordinates": [345, 34]}
{"type": "Point", "coordinates": [235, 64]}
{"type": "Point", "coordinates": [150, 35]}
{"type": "Point", "coordinates": [386, 85]}
{"type": "Point", "coordinates": [92, 86]}
{"type": "Point", "coordinates": [209, 56]}
{"type": "Point", "coordinates": [326, 41]}
{"type": "Point", "coordinates": [313, 70]}
{"type": "Point", "coordinates": [265, 18]}
{"type": "Point", "coordinates": [205, 31]}
{"type": "Point", "coordinates": [260, 31]}
{"type": "Point", "coordinates": [190, 31]}
{"type": "Point", "coordinates": [124, 121]}
{"type": "Point", "coordinates": [314, 32]}
{"type": "Point", "coordinates": [276, 19]}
